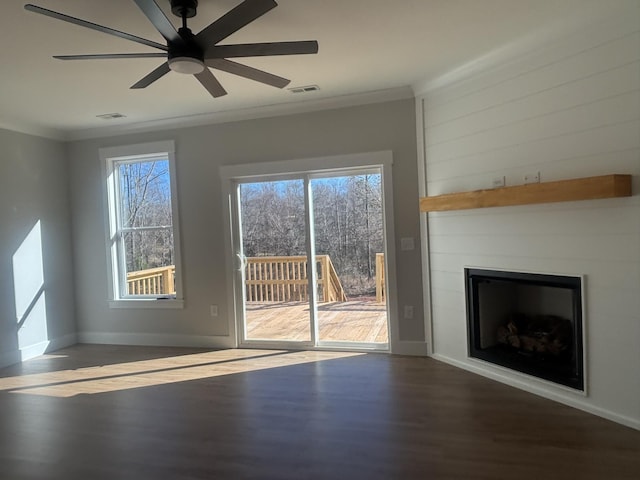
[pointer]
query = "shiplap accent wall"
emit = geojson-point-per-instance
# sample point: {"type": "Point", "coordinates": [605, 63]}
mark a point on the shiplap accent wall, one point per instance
{"type": "Point", "coordinates": [569, 109]}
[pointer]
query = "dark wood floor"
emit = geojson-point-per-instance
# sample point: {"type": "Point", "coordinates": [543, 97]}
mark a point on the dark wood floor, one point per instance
{"type": "Point", "coordinates": [104, 412]}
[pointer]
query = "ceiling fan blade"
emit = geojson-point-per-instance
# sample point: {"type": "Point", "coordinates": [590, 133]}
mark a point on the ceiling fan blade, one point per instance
{"type": "Point", "coordinates": [94, 26]}
{"type": "Point", "coordinates": [262, 49]}
{"type": "Point", "coordinates": [248, 72]}
{"type": "Point", "coordinates": [211, 83]}
{"type": "Point", "coordinates": [159, 20]}
{"type": "Point", "coordinates": [110, 56]}
{"type": "Point", "coordinates": [153, 76]}
{"type": "Point", "coordinates": [233, 20]}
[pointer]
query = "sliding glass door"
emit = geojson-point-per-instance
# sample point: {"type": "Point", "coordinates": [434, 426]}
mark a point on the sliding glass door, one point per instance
{"type": "Point", "coordinates": [274, 250]}
{"type": "Point", "coordinates": [349, 246]}
{"type": "Point", "coordinates": [337, 298]}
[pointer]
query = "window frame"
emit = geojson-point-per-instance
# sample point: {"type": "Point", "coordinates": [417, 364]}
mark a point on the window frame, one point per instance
{"type": "Point", "coordinates": [110, 157]}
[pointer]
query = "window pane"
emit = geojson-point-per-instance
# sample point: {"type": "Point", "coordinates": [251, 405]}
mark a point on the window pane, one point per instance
{"type": "Point", "coordinates": [145, 193]}
{"type": "Point", "coordinates": [276, 275]}
{"type": "Point", "coordinates": [349, 228]}
{"type": "Point", "coordinates": [349, 240]}
{"type": "Point", "coordinates": [150, 263]}
{"type": "Point", "coordinates": [273, 218]}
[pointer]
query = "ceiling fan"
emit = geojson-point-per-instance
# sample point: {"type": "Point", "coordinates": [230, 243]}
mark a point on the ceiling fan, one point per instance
{"type": "Point", "coordinates": [192, 54]}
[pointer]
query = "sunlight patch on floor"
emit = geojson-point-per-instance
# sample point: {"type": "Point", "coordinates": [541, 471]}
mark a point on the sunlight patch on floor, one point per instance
{"type": "Point", "coordinates": [161, 371]}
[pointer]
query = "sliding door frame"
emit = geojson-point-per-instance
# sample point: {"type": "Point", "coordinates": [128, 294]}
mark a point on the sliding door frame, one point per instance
{"type": "Point", "coordinates": [306, 169]}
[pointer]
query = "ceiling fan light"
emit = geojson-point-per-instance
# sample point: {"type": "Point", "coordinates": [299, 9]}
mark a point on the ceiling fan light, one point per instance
{"type": "Point", "coordinates": [186, 65]}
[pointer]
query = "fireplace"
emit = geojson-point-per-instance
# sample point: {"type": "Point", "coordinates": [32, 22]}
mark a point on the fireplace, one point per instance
{"type": "Point", "coordinates": [528, 322]}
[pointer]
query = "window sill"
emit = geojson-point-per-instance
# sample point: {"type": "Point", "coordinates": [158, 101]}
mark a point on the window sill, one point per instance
{"type": "Point", "coordinates": [171, 303]}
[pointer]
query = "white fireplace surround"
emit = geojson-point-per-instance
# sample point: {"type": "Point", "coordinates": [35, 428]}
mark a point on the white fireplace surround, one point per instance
{"type": "Point", "coordinates": [566, 109]}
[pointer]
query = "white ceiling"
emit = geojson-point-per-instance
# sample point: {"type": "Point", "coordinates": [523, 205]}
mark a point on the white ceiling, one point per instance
{"type": "Point", "coordinates": [366, 46]}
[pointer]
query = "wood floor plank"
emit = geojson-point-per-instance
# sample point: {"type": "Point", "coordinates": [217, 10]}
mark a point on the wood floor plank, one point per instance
{"type": "Point", "coordinates": [114, 412]}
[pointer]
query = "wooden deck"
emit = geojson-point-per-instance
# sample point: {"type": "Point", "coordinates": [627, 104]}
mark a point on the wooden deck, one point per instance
{"type": "Point", "coordinates": [352, 321]}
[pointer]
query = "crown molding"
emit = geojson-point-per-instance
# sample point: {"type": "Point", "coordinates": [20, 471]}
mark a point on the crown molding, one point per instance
{"type": "Point", "coordinates": [292, 108]}
{"type": "Point", "coordinates": [37, 131]}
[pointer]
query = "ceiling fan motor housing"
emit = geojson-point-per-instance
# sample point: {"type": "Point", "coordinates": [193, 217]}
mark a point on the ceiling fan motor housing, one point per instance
{"type": "Point", "coordinates": [184, 8]}
{"type": "Point", "coordinates": [186, 57]}
{"type": "Point", "coordinates": [188, 48]}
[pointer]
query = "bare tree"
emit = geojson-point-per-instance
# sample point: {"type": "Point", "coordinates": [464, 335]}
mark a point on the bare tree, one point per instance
{"type": "Point", "coordinates": [146, 211]}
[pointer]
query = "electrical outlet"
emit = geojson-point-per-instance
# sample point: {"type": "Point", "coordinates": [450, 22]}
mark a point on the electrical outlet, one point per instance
{"type": "Point", "coordinates": [498, 182]}
{"type": "Point", "coordinates": [213, 309]}
{"type": "Point", "coordinates": [532, 178]}
{"type": "Point", "coordinates": [407, 244]}
{"type": "Point", "coordinates": [408, 311]}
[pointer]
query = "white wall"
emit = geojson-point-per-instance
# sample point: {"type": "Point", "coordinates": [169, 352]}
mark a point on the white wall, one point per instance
{"type": "Point", "coordinates": [199, 153]}
{"type": "Point", "coordinates": [569, 109]}
{"type": "Point", "coordinates": [36, 284]}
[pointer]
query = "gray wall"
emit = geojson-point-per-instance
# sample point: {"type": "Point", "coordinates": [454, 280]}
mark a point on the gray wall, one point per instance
{"type": "Point", "coordinates": [199, 152]}
{"type": "Point", "coordinates": [34, 192]}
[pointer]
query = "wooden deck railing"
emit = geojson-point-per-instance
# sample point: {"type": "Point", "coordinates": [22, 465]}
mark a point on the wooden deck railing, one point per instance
{"type": "Point", "coordinates": [285, 279]}
{"type": "Point", "coordinates": [329, 281]}
{"type": "Point", "coordinates": [153, 281]}
{"type": "Point", "coordinates": [380, 289]}
{"type": "Point", "coordinates": [268, 279]}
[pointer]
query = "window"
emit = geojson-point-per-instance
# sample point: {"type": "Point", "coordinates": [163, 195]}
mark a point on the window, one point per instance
{"type": "Point", "coordinates": [142, 224]}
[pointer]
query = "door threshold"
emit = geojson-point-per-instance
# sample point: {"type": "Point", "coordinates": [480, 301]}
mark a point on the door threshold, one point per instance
{"type": "Point", "coordinates": [325, 346]}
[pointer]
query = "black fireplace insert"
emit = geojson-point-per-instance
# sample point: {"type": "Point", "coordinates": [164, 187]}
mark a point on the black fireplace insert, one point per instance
{"type": "Point", "coordinates": [528, 322]}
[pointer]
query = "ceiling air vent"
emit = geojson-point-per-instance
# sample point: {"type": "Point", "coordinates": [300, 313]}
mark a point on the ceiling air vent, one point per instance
{"type": "Point", "coordinates": [111, 116]}
{"type": "Point", "coordinates": [307, 89]}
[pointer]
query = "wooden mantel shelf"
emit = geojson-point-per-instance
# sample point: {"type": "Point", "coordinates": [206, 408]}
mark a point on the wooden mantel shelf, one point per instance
{"type": "Point", "coordinates": [606, 186]}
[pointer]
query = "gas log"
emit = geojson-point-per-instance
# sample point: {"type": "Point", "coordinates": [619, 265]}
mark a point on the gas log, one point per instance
{"type": "Point", "coordinates": [541, 334]}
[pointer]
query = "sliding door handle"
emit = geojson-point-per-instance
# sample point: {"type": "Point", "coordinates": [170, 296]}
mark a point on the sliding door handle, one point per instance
{"type": "Point", "coordinates": [241, 263]}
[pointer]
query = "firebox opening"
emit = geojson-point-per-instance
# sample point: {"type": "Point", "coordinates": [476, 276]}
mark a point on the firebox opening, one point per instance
{"type": "Point", "coordinates": [531, 323]}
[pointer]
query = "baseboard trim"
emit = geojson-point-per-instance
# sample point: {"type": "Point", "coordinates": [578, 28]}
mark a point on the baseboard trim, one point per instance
{"type": "Point", "coordinates": [62, 342]}
{"type": "Point", "coordinates": [32, 351]}
{"type": "Point", "coordinates": [417, 349]}
{"type": "Point", "coordinates": [560, 397]}
{"type": "Point", "coordinates": [155, 340]}
{"type": "Point", "coordinates": [41, 348]}
{"type": "Point", "coordinates": [10, 358]}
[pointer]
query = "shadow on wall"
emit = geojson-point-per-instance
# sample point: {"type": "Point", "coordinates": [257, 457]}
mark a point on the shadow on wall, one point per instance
{"type": "Point", "coordinates": [30, 302]}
